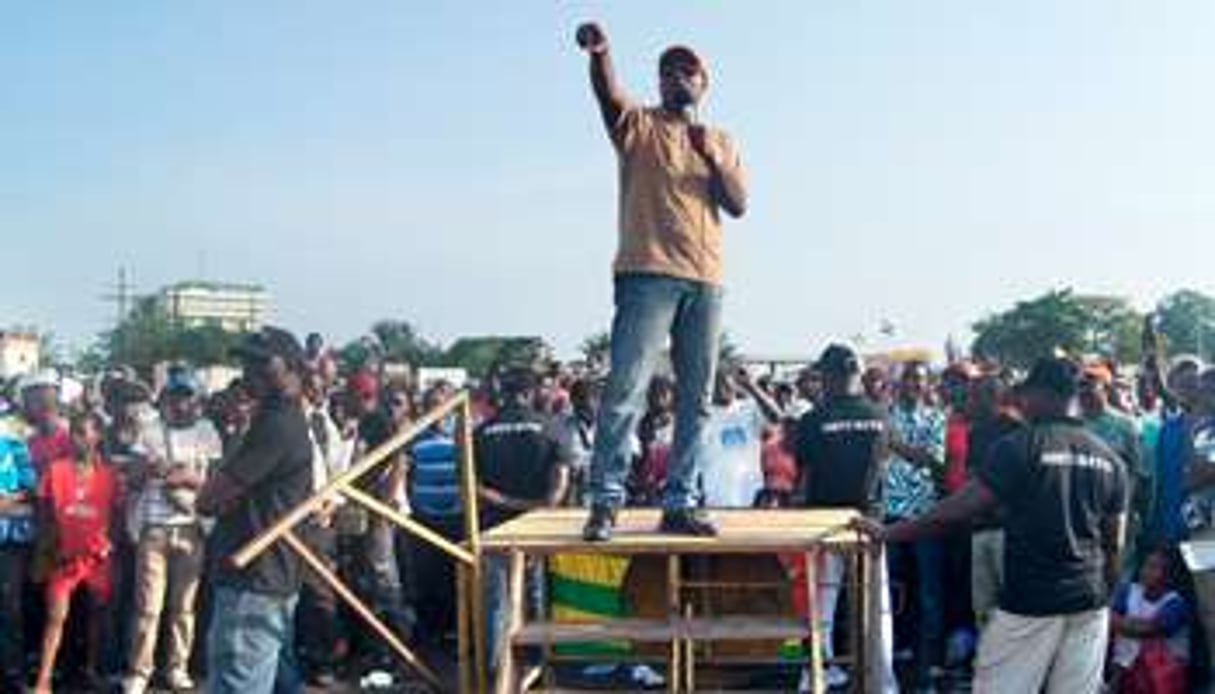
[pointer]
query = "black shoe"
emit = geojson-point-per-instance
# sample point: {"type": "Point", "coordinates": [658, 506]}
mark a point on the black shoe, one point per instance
{"type": "Point", "coordinates": [599, 525]}
{"type": "Point", "coordinates": [687, 521]}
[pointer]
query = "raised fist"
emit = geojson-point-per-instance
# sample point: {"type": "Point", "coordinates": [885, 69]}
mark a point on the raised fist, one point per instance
{"type": "Point", "coordinates": [591, 38]}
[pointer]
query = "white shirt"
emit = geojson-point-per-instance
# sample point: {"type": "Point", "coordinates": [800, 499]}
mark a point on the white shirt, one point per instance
{"type": "Point", "coordinates": [195, 447]}
{"type": "Point", "coordinates": [731, 471]}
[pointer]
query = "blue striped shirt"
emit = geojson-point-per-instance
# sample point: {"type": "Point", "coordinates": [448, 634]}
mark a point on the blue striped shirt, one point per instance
{"type": "Point", "coordinates": [434, 480]}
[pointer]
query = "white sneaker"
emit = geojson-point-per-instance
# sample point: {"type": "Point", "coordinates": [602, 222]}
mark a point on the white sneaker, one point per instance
{"type": "Point", "coordinates": [135, 684]}
{"type": "Point", "coordinates": [646, 676]}
{"type": "Point", "coordinates": [835, 677]}
{"type": "Point", "coordinates": [180, 681]}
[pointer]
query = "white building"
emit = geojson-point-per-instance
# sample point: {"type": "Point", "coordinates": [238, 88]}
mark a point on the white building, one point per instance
{"type": "Point", "coordinates": [234, 307]}
{"type": "Point", "coordinates": [19, 353]}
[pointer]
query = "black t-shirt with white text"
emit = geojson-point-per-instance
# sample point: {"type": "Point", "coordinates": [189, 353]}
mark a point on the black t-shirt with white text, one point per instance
{"type": "Point", "coordinates": [841, 449]}
{"type": "Point", "coordinates": [1056, 483]}
{"type": "Point", "coordinates": [273, 466]}
{"type": "Point", "coordinates": [517, 452]}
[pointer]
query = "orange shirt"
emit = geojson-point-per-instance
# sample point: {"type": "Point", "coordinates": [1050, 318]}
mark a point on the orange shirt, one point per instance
{"type": "Point", "coordinates": [669, 223]}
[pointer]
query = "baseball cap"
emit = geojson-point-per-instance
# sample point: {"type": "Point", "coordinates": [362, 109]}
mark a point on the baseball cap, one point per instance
{"type": "Point", "coordinates": [838, 360]}
{"type": "Point", "coordinates": [182, 382]}
{"type": "Point", "coordinates": [1056, 375]}
{"type": "Point", "coordinates": [364, 385]}
{"type": "Point", "coordinates": [42, 378]}
{"type": "Point", "coordinates": [680, 53]}
{"type": "Point", "coordinates": [1098, 373]}
{"type": "Point", "coordinates": [272, 342]}
{"type": "Point", "coordinates": [518, 379]}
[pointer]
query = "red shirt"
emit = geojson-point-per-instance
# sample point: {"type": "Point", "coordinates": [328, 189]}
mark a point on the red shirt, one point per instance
{"type": "Point", "coordinates": [47, 447]}
{"type": "Point", "coordinates": [778, 464]}
{"type": "Point", "coordinates": [82, 507]}
{"type": "Point", "coordinates": [957, 438]}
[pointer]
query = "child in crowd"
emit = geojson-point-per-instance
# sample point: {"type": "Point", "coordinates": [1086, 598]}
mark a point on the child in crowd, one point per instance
{"type": "Point", "coordinates": [1150, 624]}
{"type": "Point", "coordinates": [78, 496]}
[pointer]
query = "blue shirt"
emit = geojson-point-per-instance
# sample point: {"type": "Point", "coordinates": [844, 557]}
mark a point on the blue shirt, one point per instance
{"type": "Point", "coordinates": [434, 480]}
{"type": "Point", "coordinates": [1172, 450]}
{"type": "Point", "coordinates": [16, 475]}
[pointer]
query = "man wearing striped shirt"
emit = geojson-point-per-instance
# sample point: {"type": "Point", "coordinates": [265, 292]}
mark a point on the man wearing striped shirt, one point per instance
{"type": "Point", "coordinates": [434, 497]}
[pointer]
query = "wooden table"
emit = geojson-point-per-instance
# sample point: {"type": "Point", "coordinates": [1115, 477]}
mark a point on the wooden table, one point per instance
{"type": "Point", "coordinates": [741, 531]}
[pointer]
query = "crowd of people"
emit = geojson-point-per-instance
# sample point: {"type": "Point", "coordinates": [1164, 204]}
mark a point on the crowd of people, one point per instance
{"type": "Point", "coordinates": [111, 559]}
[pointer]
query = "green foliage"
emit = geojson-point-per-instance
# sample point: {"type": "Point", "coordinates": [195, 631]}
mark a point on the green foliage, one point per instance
{"type": "Point", "coordinates": [597, 348]}
{"type": "Point", "coordinates": [1187, 321]}
{"type": "Point", "coordinates": [148, 337]}
{"type": "Point", "coordinates": [478, 355]}
{"type": "Point", "coordinates": [1060, 320]}
{"type": "Point", "coordinates": [400, 342]}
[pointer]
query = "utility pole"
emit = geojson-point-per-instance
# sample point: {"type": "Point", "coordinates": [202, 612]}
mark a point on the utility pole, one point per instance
{"type": "Point", "coordinates": [120, 295]}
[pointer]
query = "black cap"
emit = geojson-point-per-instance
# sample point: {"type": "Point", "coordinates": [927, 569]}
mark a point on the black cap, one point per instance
{"type": "Point", "coordinates": [838, 360]}
{"type": "Point", "coordinates": [1056, 375]}
{"type": "Point", "coordinates": [518, 379]}
{"type": "Point", "coordinates": [272, 342]}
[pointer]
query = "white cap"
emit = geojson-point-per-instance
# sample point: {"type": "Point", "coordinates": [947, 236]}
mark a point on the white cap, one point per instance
{"type": "Point", "coordinates": [42, 378]}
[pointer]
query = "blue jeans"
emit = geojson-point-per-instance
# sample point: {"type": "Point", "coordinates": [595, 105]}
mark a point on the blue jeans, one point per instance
{"type": "Point", "coordinates": [250, 644]}
{"type": "Point", "coordinates": [648, 309]}
{"type": "Point", "coordinates": [929, 556]}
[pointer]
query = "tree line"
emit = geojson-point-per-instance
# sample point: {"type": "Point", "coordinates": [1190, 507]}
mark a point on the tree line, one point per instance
{"type": "Point", "coordinates": [1057, 319]}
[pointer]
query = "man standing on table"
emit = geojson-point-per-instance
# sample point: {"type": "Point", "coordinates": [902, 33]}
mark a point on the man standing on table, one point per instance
{"type": "Point", "coordinates": [676, 175]}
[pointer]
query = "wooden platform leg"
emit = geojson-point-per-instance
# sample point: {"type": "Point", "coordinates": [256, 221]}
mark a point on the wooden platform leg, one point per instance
{"type": "Point", "coordinates": [464, 649]}
{"type": "Point", "coordinates": [508, 677]}
{"type": "Point", "coordinates": [674, 661]}
{"type": "Point", "coordinates": [856, 613]}
{"type": "Point", "coordinates": [814, 659]}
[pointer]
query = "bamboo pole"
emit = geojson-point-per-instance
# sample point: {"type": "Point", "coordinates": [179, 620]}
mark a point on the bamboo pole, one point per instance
{"type": "Point", "coordinates": [815, 657]}
{"type": "Point", "coordinates": [251, 550]}
{"type": "Point", "coordinates": [373, 504]}
{"type": "Point", "coordinates": [360, 609]}
{"type": "Point", "coordinates": [472, 533]}
{"type": "Point", "coordinates": [463, 640]}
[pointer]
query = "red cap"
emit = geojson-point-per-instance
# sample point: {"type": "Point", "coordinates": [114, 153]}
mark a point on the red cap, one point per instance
{"type": "Point", "coordinates": [364, 384]}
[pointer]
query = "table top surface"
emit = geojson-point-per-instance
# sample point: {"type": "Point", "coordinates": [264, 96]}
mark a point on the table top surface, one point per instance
{"type": "Point", "coordinates": [740, 531]}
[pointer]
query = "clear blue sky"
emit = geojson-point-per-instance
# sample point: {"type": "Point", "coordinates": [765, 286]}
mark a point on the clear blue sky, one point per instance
{"type": "Point", "coordinates": [922, 162]}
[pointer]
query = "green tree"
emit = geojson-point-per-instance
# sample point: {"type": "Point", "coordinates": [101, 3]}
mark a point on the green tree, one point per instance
{"type": "Point", "coordinates": [597, 348]}
{"type": "Point", "coordinates": [478, 355]}
{"type": "Point", "coordinates": [1187, 321]}
{"type": "Point", "coordinates": [146, 337]}
{"type": "Point", "coordinates": [401, 342]}
{"type": "Point", "coordinates": [1059, 320]}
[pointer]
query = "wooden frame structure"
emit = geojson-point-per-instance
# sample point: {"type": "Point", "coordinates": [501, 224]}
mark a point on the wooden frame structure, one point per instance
{"type": "Point", "coordinates": [467, 557]}
{"type": "Point", "coordinates": [544, 533]}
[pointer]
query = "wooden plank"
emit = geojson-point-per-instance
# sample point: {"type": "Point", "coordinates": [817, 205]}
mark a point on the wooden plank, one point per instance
{"type": "Point", "coordinates": [550, 531]}
{"type": "Point", "coordinates": [742, 628]}
{"type": "Point", "coordinates": [640, 630]}
{"type": "Point", "coordinates": [360, 609]}
{"type": "Point", "coordinates": [252, 549]}
{"type": "Point", "coordinates": [731, 628]}
{"type": "Point", "coordinates": [814, 621]}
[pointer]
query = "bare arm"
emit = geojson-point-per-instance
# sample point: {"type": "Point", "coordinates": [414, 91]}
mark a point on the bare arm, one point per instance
{"type": "Point", "coordinates": [969, 501]}
{"type": "Point", "coordinates": [608, 92]}
{"type": "Point", "coordinates": [771, 411]}
{"type": "Point", "coordinates": [1113, 534]}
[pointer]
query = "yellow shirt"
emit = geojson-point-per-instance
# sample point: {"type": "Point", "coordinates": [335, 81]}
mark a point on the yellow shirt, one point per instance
{"type": "Point", "coordinates": [669, 222]}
